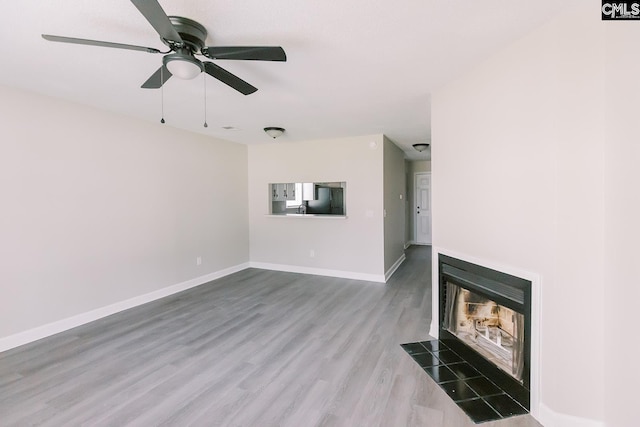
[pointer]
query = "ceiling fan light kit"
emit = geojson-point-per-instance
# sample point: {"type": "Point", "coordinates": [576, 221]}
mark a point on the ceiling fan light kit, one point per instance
{"type": "Point", "coordinates": [183, 66]}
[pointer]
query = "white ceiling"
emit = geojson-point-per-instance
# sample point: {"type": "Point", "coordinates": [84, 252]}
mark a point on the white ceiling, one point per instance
{"type": "Point", "coordinates": [355, 67]}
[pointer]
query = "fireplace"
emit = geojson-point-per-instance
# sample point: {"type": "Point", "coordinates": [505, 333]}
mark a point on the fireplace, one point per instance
{"type": "Point", "coordinates": [489, 313]}
{"type": "Point", "coordinates": [481, 357]}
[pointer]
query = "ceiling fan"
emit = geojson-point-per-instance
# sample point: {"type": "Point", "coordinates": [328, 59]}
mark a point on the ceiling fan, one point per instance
{"type": "Point", "coordinates": [185, 39]}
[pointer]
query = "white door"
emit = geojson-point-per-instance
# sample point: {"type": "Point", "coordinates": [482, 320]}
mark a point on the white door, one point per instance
{"type": "Point", "coordinates": [423, 209]}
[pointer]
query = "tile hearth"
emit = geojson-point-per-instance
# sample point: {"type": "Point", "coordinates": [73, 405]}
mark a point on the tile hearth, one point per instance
{"type": "Point", "coordinates": [481, 398]}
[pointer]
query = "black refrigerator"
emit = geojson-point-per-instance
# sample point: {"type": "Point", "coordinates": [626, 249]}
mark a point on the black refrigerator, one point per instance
{"type": "Point", "coordinates": [322, 202]}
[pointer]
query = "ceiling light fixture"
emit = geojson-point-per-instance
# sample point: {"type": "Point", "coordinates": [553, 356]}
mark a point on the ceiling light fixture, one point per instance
{"type": "Point", "coordinates": [421, 146]}
{"type": "Point", "coordinates": [183, 65]}
{"type": "Point", "coordinates": [274, 132]}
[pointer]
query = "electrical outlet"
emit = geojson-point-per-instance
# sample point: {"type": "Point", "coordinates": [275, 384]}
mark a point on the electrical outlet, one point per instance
{"type": "Point", "coordinates": [199, 260]}
{"type": "Point", "coordinates": [312, 253]}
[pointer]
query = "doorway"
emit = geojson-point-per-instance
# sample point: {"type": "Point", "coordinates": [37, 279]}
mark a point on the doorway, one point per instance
{"type": "Point", "coordinates": [422, 205]}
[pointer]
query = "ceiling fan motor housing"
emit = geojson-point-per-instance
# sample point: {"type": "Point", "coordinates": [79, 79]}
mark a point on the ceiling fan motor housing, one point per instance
{"type": "Point", "coordinates": [193, 34]}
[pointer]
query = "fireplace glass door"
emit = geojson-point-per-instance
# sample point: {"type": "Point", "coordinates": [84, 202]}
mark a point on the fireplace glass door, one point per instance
{"type": "Point", "coordinates": [493, 330]}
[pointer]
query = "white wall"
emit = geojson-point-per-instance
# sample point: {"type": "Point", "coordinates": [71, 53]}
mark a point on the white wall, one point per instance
{"type": "Point", "coordinates": [517, 181]}
{"type": "Point", "coordinates": [418, 166]}
{"type": "Point", "coordinates": [394, 205]}
{"type": "Point", "coordinates": [622, 225]}
{"type": "Point", "coordinates": [352, 246]}
{"type": "Point", "coordinates": [98, 208]}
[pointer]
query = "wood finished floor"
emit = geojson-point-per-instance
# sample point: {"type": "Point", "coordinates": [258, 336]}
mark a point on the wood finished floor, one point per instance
{"type": "Point", "coordinates": [257, 348]}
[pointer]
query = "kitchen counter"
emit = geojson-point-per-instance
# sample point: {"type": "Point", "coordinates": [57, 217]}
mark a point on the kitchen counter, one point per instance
{"type": "Point", "coordinates": [297, 215]}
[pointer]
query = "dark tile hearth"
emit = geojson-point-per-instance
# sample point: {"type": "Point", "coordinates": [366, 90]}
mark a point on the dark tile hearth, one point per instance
{"type": "Point", "coordinates": [505, 405]}
{"type": "Point", "coordinates": [426, 359]}
{"type": "Point", "coordinates": [478, 410]}
{"type": "Point", "coordinates": [458, 390]}
{"type": "Point", "coordinates": [464, 370]}
{"type": "Point", "coordinates": [448, 356]}
{"type": "Point", "coordinates": [483, 386]}
{"type": "Point", "coordinates": [441, 373]}
{"type": "Point", "coordinates": [452, 368]}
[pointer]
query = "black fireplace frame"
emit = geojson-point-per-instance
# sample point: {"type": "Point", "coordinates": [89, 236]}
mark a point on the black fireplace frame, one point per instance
{"type": "Point", "coordinates": [507, 290]}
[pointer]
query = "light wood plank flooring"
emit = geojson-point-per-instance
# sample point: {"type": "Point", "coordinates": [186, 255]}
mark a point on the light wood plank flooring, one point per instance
{"type": "Point", "coordinates": [257, 348]}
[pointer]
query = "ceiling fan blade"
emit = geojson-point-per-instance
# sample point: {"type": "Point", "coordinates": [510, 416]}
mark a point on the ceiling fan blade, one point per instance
{"type": "Point", "coordinates": [98, 43]}
{"type": "Point", "coordinates": [255, 53]}
{"type": "Point", "coordinates": [230, 79]}
{"type": "Point", "coordinates": [155, 81]}
{"type": "Point", "coordinates": [159, 20]}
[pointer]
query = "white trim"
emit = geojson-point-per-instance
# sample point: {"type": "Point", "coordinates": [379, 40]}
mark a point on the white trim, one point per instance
{"type": "Point", "coordinates": [394, 267]}
{"type": "Point", "coordinates": [56, 327]}
{"type": "Point", "coordinates": [434, 329]}
{"type": "Point", "coordinates": [536, 299]}
{"type": "Point", "coordinates": [319, 271]}
{"type": "Point", "coordinates": [550, 418]}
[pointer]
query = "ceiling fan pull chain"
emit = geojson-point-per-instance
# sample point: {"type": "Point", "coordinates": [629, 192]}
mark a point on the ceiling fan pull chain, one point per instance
{"type": "Point", "coordinates": [162, 94]}
{"type": "Point", "coordinates": [204, 79]}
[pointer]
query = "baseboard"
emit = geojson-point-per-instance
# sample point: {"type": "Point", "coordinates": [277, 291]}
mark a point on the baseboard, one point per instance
{"type": "Point", "coordinates": [394, 267]}
{"type": "Point", "coordinates": [319, 271]}
{"type": "Point", "coordinates": [409, 243]}
{"type": "Point", "coordinates": [53, 328]}
{"type": "Point", "coordinates": [550, 418]}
